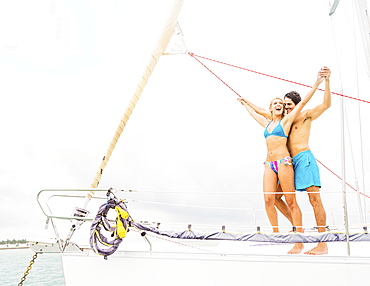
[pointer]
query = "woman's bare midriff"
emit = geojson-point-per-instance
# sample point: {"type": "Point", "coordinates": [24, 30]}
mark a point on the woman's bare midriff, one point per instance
{"type": "Point", "coordinates": [276, 148]}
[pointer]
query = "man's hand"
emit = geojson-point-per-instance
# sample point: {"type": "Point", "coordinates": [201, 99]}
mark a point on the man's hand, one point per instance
{"type": "Point", "coordinates": [324, 73]}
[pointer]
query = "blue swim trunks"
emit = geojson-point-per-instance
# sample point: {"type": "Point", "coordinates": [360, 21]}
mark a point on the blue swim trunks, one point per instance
{"type": "Point", "coordinates": [306, 171]}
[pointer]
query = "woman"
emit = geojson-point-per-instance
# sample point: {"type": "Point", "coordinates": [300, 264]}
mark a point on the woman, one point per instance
{"type": "Point", "coordinates": [278, 164]}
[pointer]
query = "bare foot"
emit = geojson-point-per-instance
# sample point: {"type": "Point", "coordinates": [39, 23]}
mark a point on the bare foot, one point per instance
{"type": "Point", "coordinates": [320, 249]}
{"type": "Point", "coordinates": [297, 248]}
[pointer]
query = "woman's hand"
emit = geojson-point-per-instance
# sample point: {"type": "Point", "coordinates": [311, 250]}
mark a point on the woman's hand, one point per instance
{"type": "Point", "coordinates": [242, 101]}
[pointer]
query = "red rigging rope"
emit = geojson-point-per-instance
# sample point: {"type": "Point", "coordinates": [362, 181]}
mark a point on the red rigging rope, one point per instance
{"type": "Point", "coordinates": [197, 56]}
{"type": "Point", "coordinates": [342, 179]}
{"type": "Point", "coordinates": [194, 56]}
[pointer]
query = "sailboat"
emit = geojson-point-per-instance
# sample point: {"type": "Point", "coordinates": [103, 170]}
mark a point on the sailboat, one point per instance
{"type": "Point", "coordinates": [154, 250]}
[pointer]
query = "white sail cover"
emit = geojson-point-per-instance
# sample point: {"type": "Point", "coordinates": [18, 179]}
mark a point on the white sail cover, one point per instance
{"type": "Point", "coordinates": [293, 237]}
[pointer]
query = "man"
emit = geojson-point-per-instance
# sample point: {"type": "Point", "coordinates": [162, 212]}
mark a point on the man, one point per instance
{"type": "Point", "coordinates": [306, 171]}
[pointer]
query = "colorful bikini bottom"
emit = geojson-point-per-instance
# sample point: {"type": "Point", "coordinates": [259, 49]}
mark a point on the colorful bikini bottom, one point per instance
{"type": "Point", "coordinates": [274, 165]}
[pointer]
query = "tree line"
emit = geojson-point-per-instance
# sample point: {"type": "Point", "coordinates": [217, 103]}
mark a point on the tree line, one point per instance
{"type": "Point", "coordinates": [13, 241]}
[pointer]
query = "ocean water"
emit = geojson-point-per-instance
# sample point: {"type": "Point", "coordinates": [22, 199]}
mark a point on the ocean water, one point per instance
{"type": "Point", "coordinates": [46, 271]}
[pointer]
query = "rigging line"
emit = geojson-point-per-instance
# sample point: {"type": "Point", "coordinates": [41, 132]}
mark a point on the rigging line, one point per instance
{"type": "Point", "coordinates": [161, 224]}
{"type": "Point", "coordinates": [341, 179]}
{"type": "Point", "coordinates": [235, 227]}
{"type": "Point", "coordinates": [215, 193]}
{"type": "Point", "coordinates": [208, 193]}
{"type": "Point", "coordinates": [188, 193]}
{"type": "Point", "coordinates": [353, 29]}
{"type": "Point", "coordinates": [211, 226]}
{"type": "Point", "coordinates": [197, 56]}
{"type": "Point", "coordinates": [240, 236]}
{"type": "Point", "coordinates": [169, 240]}
{"type": "Point", "coordinates": [361, 210]}
{"type": "Point", "coordinates": [195, 206]}
{"type": "Point", "coordinates": [350, 145]}
{"type": "Point", "coordinates": [254, 210]}
{"type": "Point", "coordinates": [194, 56]}
{"type": "Point", "coordinates": [344, 195]}
{"type": "Point", "coordinates": [359, 115]}
{"type": "Point", "coordinates": [354, 167]}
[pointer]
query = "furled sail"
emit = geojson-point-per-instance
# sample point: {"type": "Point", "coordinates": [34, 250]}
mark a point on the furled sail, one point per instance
{"type": "Point", "coordinates": [162, 43]}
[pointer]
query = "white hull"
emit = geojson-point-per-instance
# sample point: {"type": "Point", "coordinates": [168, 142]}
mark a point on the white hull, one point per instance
{"type": "Point", "coordinates": [173, 268]}
{"type": "Point", "coordinates": [159, 260]}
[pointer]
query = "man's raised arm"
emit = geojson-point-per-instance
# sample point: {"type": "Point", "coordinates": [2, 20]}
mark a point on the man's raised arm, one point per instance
{"type": "Point", "coordinates": [318, 110]}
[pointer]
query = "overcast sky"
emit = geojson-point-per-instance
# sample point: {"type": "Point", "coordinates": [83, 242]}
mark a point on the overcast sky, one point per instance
{"type": "Point", "coordinates": [69, 68]}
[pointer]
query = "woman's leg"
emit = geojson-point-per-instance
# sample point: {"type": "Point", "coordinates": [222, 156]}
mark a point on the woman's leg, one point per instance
{"type": "Point", "coordinates": [269, 187]}
{"type": "Point", "coordinates": [286, 177]}
{"type": "Point", "coordinates": [281, 205]}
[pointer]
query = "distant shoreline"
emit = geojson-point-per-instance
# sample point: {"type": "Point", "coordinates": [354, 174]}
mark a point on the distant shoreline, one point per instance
{"type": "Point", "coordinates": [13, 246]}
{"type": "Point", "coordinates": [20, 247]}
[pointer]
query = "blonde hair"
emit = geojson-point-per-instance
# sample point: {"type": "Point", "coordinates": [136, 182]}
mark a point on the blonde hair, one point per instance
{"type": "Point", "coordinates": [282, 102]}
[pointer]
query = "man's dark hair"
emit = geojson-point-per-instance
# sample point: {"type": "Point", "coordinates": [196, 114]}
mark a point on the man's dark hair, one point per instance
{"type": "Point", "coordinates": [294, 96]}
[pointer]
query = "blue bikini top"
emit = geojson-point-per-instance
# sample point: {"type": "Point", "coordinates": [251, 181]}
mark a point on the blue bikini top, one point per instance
{"type": "Point", "coordinates": [278, 131]}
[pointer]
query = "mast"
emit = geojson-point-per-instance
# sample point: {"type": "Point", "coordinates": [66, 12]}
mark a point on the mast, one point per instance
{"type": "Point", "coordinates": [156, 54]}
{"type": "Point", "coordinates": [364, 24]}
{"type": "Point", "coordinates": [362, 12]}
{"type": "Point", "coordinates": [344, 191]}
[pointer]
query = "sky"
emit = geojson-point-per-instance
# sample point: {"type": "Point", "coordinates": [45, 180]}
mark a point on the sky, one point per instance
{"type": "Point", "coordinates": [68, 70]}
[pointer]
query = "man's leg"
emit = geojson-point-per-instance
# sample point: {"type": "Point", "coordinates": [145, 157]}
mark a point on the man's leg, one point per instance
{"type": "Point", "coordinates": [320, 217]}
